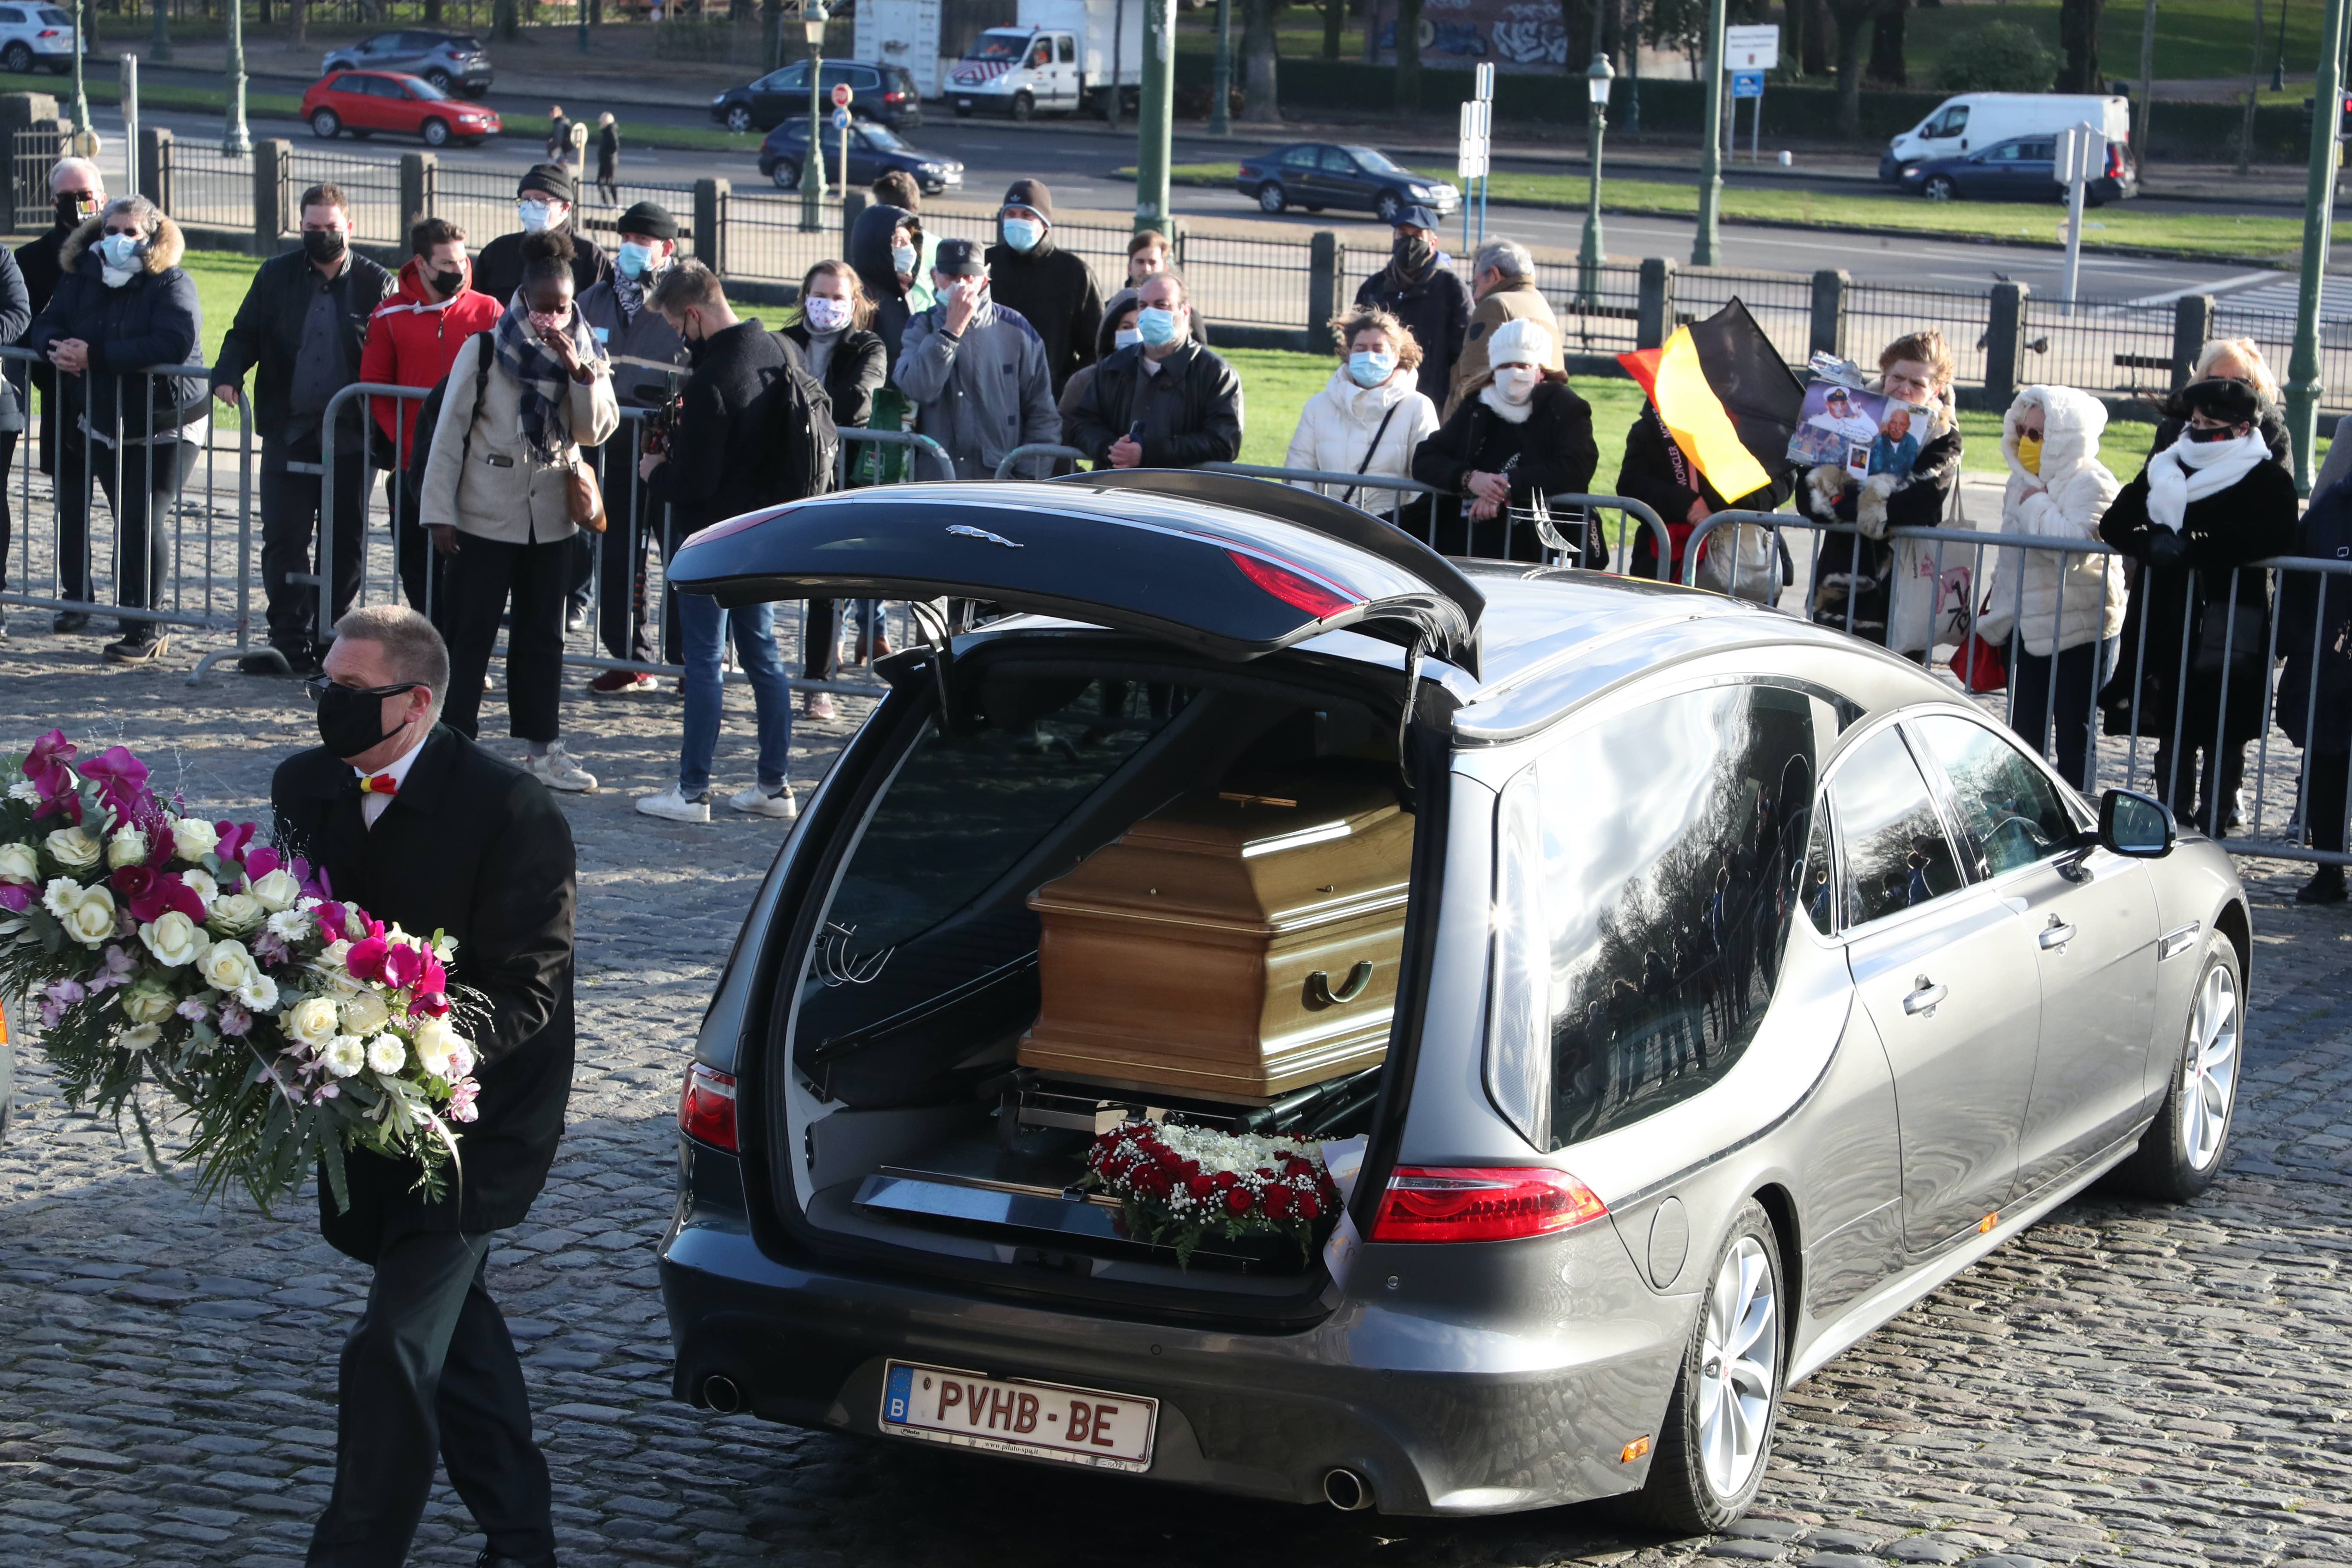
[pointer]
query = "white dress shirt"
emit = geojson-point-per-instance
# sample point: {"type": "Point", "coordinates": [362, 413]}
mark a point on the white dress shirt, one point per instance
{"type": "Point", "coordinates": [373, 805]}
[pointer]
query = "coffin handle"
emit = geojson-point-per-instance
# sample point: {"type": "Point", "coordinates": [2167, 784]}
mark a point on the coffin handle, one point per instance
{"type": "Point", "coordinates": [1320, 993]}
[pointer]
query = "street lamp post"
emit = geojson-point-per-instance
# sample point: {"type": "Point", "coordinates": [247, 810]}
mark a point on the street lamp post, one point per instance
{"type": "Point", "coordinates": [812, 20]}
{"type": "Point", "coordinates": [2303, 386]}
{"type": "Point", "coordinates": [1598, 79]}
{"type": "Point", "coordinates": [1703, 249]}
{"type": "Point", "coordinates": [81, 99]}
{"type": "Point", "coordinates": [160, 49]}
{"type": "Point", "coordinates": [1221, 73]}
{"type": "Point", "coordinates": [235, 140]}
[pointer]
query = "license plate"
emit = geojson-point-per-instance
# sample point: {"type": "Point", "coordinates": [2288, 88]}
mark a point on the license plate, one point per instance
{"type": "Point", "coordinates": [1012, 1415]}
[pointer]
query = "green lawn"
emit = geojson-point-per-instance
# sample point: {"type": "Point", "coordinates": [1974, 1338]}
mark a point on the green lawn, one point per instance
{"type": "Point", "coordinates": [2194, 39]}
{"type": "Point", "coordinates": [2202, 235]}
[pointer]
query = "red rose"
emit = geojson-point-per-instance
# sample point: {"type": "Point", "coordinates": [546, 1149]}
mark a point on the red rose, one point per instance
{"type": "Point", "coordinates": [1309, 1205]}
{"type": "Point", "coordinates": [1168, 1160]}
{"type": "Point", "coordinates": [1201, 1186]}
{"type": "Point", "coordinates": [1189, 1169]}
{"type": "Point", "coordinates": [1237, 1202]}
{"type": "Point", "coordinates": [1263, 1172]}
{"type": "Point", "coordinates": [1227, 1181]}
{"type": "Point", "coordinates": [1277, 1202]}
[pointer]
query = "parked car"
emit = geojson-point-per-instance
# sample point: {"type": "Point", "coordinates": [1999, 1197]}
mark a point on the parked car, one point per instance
{"type": "Point", "coordinates": [2023, 168]}
{"type": "Point", "coordinates": [883, 94]}
{"type": "Point", "coordinates": [1318, 174]}
{"type": "Point", "coordinates": [1674, 1106]}
{"type": "Point", "coordinates": [37, 37]}
{"type": "Point", "coordinates": [361, 103]}
{"type": "Point", "coordinates": [454, 62]}
{"type": "Point", "coordinates": [872, 150]}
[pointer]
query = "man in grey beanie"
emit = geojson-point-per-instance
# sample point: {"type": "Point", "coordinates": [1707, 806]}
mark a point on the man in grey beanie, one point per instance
{"type": "Point", "coordinates": [1052, 290]}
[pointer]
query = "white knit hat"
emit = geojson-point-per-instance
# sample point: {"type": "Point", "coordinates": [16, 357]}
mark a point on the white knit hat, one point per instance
{"type": "Point", "coordinates": [1519, 340]}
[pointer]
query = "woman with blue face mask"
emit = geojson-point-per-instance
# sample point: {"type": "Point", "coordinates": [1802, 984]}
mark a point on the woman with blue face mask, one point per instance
{"type": "Point", "coordinates": [1369, 417]}
{"type": "Point", "coordinates": [124, 298]}
{"type": "Point", "coordinates": [833, 328]}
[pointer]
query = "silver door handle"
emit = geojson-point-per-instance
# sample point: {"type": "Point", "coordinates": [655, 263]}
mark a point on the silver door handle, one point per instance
{"type": "Point", "coordinates": [2057, 936]}
{"type": "Point", "coordinates": [1925, 999]}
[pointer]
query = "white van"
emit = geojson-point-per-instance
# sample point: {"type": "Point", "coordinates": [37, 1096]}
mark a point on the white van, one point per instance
{"type": "Point", "coordinates": [1974, 119]}
{"type": "Point", "coordinates": [1062, 56]}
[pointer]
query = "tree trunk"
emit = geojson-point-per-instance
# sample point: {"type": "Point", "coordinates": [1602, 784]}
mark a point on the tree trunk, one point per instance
{"type": "Point", "coordinates": [1887, 47]}
{"type": "Point", "coordinates": [1796, 37]}
{"type": "Point", "coordinates": [1408, 56]}
{"type": "Point", "coordinates": [433, 12]}
{"type": "Point", "coordinates": [1821, 36]}
{"type": "Point", "coordinates": [1334, 17]}
{"type": "Point", "coordinates": [2253, 84]}
{"type": "Point", "coordinates": [505, 21]}
{"type": "Point", "coordinates": [1853, 19]}
{"type": "Point", "coordinates": [1258, 102]}
{"type": "Point", "coordinates": [2078, 42]}
{"type": "Point", "coordinates": [302, 9]}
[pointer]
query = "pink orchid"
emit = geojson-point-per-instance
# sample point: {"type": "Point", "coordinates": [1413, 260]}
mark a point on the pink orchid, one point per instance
{"type": "Point", "coordinates": [366, 958]}
{"type": "Point", "coordinates": [330, 916]}
{"type": "Point", "coordinates": [65, 993]}
{"type": "Point", "coordinates": [235, 1018]}
{"type": "Point", "coordinates": [429, 1004]}
{"type": "Point", "coordinates": [193, 1011]}
{"type": "Point", "coordinates": [121, 780]}
{"type": "Point", "coordinates": [271, 948]}
{"type": "Point", "coordinates": [45, 764]}
{"type": "Point", "coordinates": [402, 967]}
{"type": "Point", "coordinates": [461, 1100]}
{"type": "Point", "coordinates": [234, 837]}
{"type": "Point", "coordinates": [259, 863]}
{"type": "Point", "coordinates": [328, 1091]}
{"type": "Point", "coordinates": [118, 971]}
{"type": "Point", "coordinates": [16, 898]}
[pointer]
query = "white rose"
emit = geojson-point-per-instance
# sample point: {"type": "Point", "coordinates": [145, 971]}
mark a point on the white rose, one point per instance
{"type": "Point", "coordinates": [192, 839]}
{"type": "Point", "coordinates": [201, 884]}
{"type": "Point", "coordinates": [139, 1037]}
{"type": "Point", "coordinates": [436, 1042]}
{"type": "Point", "coordinates": [87, 913]}
{"type": "Point", "coordinates": [385, 1054]}
{"type": "Point", "coordinates": [73, 848]}
{"type": "Point", "coordinates": [226, 965]}
{"type": "Point", "coordinates": [331, 958]}
{"type": "Point", "coordinates": [312, 1022]}
{"type": "Point", "coordinates": [260, 993]}
{"type": "Point", "coordinates": [236, 913]}
{"type": "Point", "coordinates": [364, 1014]}
{"type": "Point", "coordinates": [345, 1056]}
{"type": "Point", "coordinates": [19, 864]}
{"type": "Point", "coordinates": [174, 938]}
{"type": "Point", "coordinates": [290, 925]}
{"type": "Point", "coordinates": [148, 1002]}
{"type": "Point", "coordinates": [129, 847]}
{"type": "Point", "coordinates": [353, 926]}
{"type": "Point", "coordinates": [277, 891]}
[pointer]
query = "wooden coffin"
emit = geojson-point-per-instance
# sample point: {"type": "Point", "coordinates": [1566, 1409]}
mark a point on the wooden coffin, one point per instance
{"type": "Point", "coordinates": [1235, 945]}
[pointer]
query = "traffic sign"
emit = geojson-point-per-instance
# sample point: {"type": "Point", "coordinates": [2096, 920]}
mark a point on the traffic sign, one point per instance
{"type": "Point", "coordinates": [841, 120]}
{"type": "Point", "coordinates": [1746, 84]}
{"type": "Point", "coordinates": [1470, 156]}
{"type": "Point", "coordinates": [1755, 48]}
{"type": "Point", "coordinates": [841, 95]}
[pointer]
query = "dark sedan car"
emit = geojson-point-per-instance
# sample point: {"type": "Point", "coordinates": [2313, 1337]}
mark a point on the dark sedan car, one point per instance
{"type": "Point", "coordinates": [2024, 168]}
{"type": "Point", "coordinates": [872, 150]}
{"type": "Point", "coordinates": [884, 94]}
{"type": "Point", "coordinates": [1318, 174]}
{"type": "Point", "coordinates": [454, 62]}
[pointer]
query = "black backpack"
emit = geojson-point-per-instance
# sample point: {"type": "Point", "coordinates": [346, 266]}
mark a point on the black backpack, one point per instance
{"type": "Point", "coordinates": [806, 439]}
{"type": "Point", "coordinates": [428, 412]}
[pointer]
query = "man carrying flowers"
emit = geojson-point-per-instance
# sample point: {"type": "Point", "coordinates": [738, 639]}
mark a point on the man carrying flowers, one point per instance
{"type": "Point", "coordinates": [428, 832]}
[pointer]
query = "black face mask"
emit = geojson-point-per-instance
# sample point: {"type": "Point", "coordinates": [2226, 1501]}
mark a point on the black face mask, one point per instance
{"type": "Point", "coordinates": [1413, 253]}
{"type": "Point", "coordinates": [75, 208]}
{"type": "Point", "coordinates": [322, 244]}
{"type": "Point", "coordinates": [351, 721]}
{"type": "Point", "coordinates": [2201, 435]}
{"type": "Point", "coordinates": [445, 283]}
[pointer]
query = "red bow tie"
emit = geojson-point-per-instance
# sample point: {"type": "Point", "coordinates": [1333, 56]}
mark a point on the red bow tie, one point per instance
{"type": "Point", "coordinates": [381, 784]}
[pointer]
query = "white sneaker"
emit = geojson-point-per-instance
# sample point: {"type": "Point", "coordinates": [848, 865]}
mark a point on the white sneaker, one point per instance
{"type": "Point", "coordinates": [560, 770]}
{"type": "Point", "coordinates": [816, 705]}
{"type": "Point", "coordinates": [760, 803]}
{"type": "Point", "coordinates": [676, 805]}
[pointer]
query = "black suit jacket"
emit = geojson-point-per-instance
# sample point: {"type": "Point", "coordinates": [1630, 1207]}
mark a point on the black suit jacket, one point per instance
{"type": "Point", "coordinates": [477, 847]}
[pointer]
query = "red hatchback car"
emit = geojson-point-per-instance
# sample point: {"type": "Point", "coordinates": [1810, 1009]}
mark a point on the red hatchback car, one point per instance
{"type": "Point", "coordinates": [365, 102]}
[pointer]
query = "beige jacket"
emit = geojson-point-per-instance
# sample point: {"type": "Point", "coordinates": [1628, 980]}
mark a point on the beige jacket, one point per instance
{"type": "Point", "coordinates": [506, 492]}
{"type": "Point", "coordinates": [1509, 303]}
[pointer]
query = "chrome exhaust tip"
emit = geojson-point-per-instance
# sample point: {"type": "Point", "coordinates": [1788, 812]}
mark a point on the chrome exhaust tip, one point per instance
{"type": "Point", "coordinates": [1345, 1490]}
{"type": "Point", "coordinates": [719, 1393]}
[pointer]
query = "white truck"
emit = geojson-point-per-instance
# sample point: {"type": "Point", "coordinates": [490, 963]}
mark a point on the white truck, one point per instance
{"type": "Point", "coordinates": [1970, 121]}
{"type": "Point", "coordinates": [1047, 57]}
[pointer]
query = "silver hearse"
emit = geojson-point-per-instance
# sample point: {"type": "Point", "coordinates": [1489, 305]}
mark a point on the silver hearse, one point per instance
{"type": "Point", "coordinates": [1750, 985]}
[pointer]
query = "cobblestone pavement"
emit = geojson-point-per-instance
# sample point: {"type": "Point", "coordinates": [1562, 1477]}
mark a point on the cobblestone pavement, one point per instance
{"type": "Point", "coordinates": [2125, 1383]}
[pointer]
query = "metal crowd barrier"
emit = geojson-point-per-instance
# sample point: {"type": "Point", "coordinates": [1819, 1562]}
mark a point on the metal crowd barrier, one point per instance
{"type": "Point", "coordinates": [2112, 733]}
{"type": "Point", "coordinates": [195, 586]}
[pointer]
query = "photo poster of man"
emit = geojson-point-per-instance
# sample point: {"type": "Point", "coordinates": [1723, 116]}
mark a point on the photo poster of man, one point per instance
{"type": "Point", "coordinates": [1865, 433]}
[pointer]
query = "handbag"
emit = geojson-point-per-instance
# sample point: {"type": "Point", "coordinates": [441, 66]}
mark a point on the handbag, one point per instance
{"type": "Point", "coordinates": [584, 501]}
{"type": "Point", "coordinates": [1981, 665]}
{"type": "Point", "coordinates": [2220, 643]}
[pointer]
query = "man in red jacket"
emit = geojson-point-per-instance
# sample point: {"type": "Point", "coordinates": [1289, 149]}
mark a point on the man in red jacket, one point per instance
{"type": "Point", "coordinates": [411, 340]}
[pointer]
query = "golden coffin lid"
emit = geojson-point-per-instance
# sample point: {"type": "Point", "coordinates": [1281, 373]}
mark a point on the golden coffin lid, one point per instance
{"type": "Point", "coordinates": [1284, 854]}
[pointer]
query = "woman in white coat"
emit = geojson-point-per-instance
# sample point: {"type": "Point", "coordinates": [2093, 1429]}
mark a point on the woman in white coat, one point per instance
{"type": "Point", "coordinates": [2065, 609]}
{"type": "Point", "coordinates": [1370, 416]}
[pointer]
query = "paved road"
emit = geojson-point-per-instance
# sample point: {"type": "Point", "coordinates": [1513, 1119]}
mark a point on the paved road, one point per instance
{"type": "Point", "coordinates": [2126, 1384]}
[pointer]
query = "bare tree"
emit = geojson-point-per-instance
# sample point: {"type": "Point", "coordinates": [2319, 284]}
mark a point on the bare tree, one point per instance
{"type": "Point", "coordinates": [506, 21]}
{"type": "Point", "coordinates": [1408, 56]}
{"type": "Point", "coordinates": [1886, 65]}
{"type": "Point", "coordinates": [2078, 41]}
{"type": "Point", "coordinates": [1258, 56]}
{"type": "Point", "coordinates": [2254, 85]}
{"type": "Point", "coordinates": [1854, 20]}
{"type": "Point", "coordinates": [1334, 17]}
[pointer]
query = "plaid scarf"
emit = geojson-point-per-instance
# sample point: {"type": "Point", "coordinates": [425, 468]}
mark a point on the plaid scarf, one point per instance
{"type": "Point", "coordinates": [542, 376]}
{"type": "Point", "coordinates": [629, 293]}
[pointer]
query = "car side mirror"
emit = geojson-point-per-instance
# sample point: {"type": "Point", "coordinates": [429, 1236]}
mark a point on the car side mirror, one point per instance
{"type": "Point", "coordinates": [2136, 826]}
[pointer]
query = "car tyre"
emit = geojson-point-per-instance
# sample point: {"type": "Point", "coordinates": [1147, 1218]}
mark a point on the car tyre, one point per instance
{"type": "Point", "coordinates": [1271, 197]}
{"type": "Point", "coordinates": [1940, 188]}
{"type": "Point", "coordinates": [2188, 1142]}
{"type": "Point", "coordinates": [738, 119]}
{"type": "Point", "coordinates": [786, 174]}
{"type": "Point", "coordinates": [1388, 207]}
{"type": "Point", "coordinates": [18, 60]}
{"type": "Point", "coordinates": [326, 124]}
{"type": "Point", "coordinates": [438, 77]}
{"type": "Point", "coordinates": [1718, 1435]}
{"type": "Point", "coordinates": [1025, 108]}
{"type": "Point", "coordinates": [437, 132]}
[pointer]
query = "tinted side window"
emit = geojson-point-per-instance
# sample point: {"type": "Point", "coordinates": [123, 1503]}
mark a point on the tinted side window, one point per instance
{"type": "Point", "coordinates": [1818, 890]}
{"type": "Point", "coordinates": [1336, 161]}
{"type": "Point", "coordinates": [1896, 855]}
{"type": "Point", "coordinates": [1069, 49]}
{"type": "Point", "coordinates": [2005, 803]}
{"type": "Point", "coordinates": [1673, 842]}
{"type": "Point", "coordinates": [1299, 158]}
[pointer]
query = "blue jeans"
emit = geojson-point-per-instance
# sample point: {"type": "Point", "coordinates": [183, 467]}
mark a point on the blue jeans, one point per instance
{"type": "Point", "coordinates": [702, 627]}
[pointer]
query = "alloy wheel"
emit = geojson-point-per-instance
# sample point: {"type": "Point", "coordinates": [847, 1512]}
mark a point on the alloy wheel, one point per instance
{"type": "Point", "coordinates": [738, 119]}
{"type": "Point", "coordinates": [2209, 1072]}
{"type": "Point", "coordinates": [1740, 1367]}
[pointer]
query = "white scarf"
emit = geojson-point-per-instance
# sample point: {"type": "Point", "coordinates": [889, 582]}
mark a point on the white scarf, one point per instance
{"type": "Point", "coordinates": [2190, 470]}
{"type": "Point", "coordinates": [1512, 413]}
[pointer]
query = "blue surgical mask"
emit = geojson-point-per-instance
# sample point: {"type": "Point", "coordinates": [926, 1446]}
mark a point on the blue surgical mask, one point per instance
{"type": "Point", "coordinates": [902, 260]}
{"type": "Point", "coordinates": [1367, 369]}
{"type": "Point", "coordinates": [536, 217]}
{"type": "Point", "coordinates": [1158, 326]}
{"type": "Point", "coordinates": [635, 260]}
{"type": "Point", "coordinates": [1024, 233]}
{"type": "Point", "coordinates": [1125, 338]}
{"type": "Point", "coordinates": [120, 252]}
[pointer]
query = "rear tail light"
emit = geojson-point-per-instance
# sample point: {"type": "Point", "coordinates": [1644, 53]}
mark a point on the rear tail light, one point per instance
{"type": "Point", "coordinates": [2114, 161]}
{"type": "Point", "coordinates": [1292, 588]}
{"type": "Point", "coordinates": [51, 33]}
{"type": "Point", "coordinates": [893, 98]}
{"type": "Point", "coordinates": [1455, 1203]}
{"type": "Point", "coordinates": [706, 1112]}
